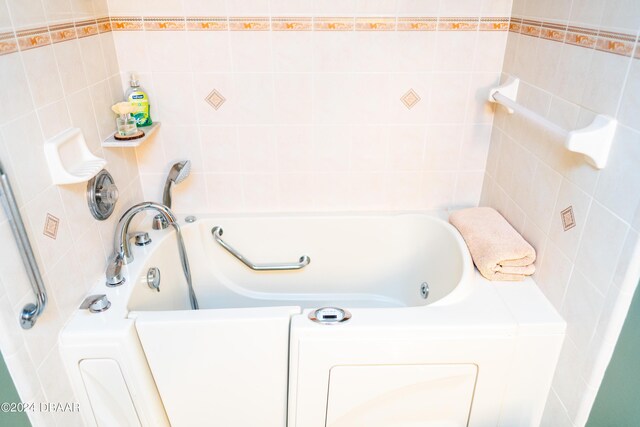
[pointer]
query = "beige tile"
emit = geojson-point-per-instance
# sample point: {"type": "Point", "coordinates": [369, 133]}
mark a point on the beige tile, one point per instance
{"type": "Point", "coordinates": [369, 149]}
{"type": "Point", "coordinates": [478, 109]}
{"type": "Point", "coordinates": [468, 189]}
{"type": "Point", "coordinates": [331, 191]}
{"type": "Point", "coordinates": [258, 149]}
{"type": "Point", "coordinates": [415, 51]}
{"type": "Point", "coordinates": [260, 192]}
{"type": "Point", "coordinates": [191, 195]}
{"type": "Point", "coordinates": [69, 58]}
{"type": "Point", "coordinates": [251, 51]}
{"type": "Point", "coordinates": [368, 191]}
{"type": "Point", "coordinates": [294, 148]}
{"type": "Point", "coordinates": [109, 53]}
{"type": "Point", "coordinates": [160, 42]}
{"type": "Point", "coordinates": [442, 148]}
{"type": "Point", "coordinates": [555, 414]}
{"type": "Point", "coordinates": [567, 378]}
{"type": "Point", "coordinates": [490, 50]}
{"type": "Point", "coordinates": [220, 149]}
{"type": "Point", "coordinates": [255, 98]}
{"type": "Point", "coordinates": [376, 51]}
{"type": "Point", "coordinates": [601, 245]}
{"type": "Point", "coordinates": [403, 191]}
{"type": "Point", "coordinates": [83, 117]}
{"type": "Point", "coordinates": [54, 118]}
{"type": "Point", "coordinates": [205, 8]}
{"type": "Point", "coordinates": [552, 274]}
{"type": "Point", "coordinates": [588, 12]}
{"type": "Point", "coordinates": [202, 43]}
{"type": "Point", "coordinates": [42, 73]}
{"type": "Point", "coordinates": [333, 51]}
{"type": "Point", "coordinates": [15, 96]}
{"type": "Point", "coordinates": [619, 184]}
{"type": "Point", "coordinates": [606, 79]}
{"type": "Point", "coordinates": [131, 48]}
{"type": "Point", "coordinates": [540, 202]}
{"type": "Point", "coordinates": [475, 147]}
{"type": "Point", "coordinates": [333, 100]}
{"type": "Point", "coordinates": [293, 191]}
{"type": "Point", "coordinates": [92, 59]}
{"type": "Point", "coordinates": [175, 91]}
{"type": "Point", "coordinates": [573, 73]}
{"type": "Point", "coordinates": [291, 51]}
{"type": "Point", "coordinates": [621, 14]}
{"type": "Point", "coordinates": [630, 103]}
{"type": "Point", "coordinates": [331, 148]}
{"type": "Point", "coordinates": [437, 189]}
{"type": "Point", "coordinates": [224, 192]}
{"type": "Point", "coordinates": [293, 100]}
{"type": "Point", "coordinates": [581, 309]}
{"type": "Point", "coordinates": [406, 147]}
{"type": "Point", "coordinates": [26, 13]}
{"type": "Point", "coordinates": [23, 141]}
{"type": "Point", "coordinates": [449, 96]}
{"type": "Point", "coordinates": [17, 284]}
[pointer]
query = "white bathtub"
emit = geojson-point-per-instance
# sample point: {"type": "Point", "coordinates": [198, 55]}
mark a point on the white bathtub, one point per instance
{"type": "Point", "coordinates": [472, 353]}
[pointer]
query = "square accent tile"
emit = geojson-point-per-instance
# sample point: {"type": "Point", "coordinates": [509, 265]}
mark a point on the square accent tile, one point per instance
{"type": "Point", "coordinates": [410, 99]}
{"type": "Point", "coordinates": [51, 226]}
{"type": "Point", "coordinates": [568, 220]}
{"type": "Point", "coordinates": [215, 99]}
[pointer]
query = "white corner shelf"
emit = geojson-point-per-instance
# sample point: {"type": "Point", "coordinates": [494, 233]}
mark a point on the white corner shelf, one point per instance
{"type": "Point", "coordinates": [148, 131]}
{"type": "Point", "coordinates": [69, 158]}
{"type": "Point", "coordinates": [593, 141]}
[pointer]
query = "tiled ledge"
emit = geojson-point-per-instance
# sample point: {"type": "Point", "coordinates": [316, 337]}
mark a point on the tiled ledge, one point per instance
{"type": "Point", "coordinates": [588, 37]}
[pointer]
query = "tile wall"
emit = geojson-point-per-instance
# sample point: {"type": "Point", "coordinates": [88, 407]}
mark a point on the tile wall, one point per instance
{"type": "Point", "coordinates": [575, 59]}
{"type": "Point", "coordinates": [316, 105]}
{"type": "Point", "coordinates": [57, 70]}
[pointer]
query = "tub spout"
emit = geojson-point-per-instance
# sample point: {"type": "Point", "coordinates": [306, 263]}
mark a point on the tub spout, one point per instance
{"type": "Point", "coordinates": [122, 246]}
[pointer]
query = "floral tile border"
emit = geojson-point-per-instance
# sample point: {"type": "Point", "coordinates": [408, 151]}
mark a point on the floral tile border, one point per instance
{"type": "Point", "coordinates": [591, 38]}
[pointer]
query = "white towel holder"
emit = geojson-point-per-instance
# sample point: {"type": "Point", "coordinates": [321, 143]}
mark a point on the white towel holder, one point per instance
{"type": "Point", "coordinates": [593, 141]}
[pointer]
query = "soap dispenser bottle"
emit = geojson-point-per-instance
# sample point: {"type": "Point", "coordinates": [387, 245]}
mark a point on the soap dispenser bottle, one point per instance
{"type": "Point", "coordinates": [137, 96]}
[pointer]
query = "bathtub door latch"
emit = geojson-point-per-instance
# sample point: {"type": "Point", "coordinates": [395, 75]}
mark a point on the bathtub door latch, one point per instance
{"type": "Point", "coordinates": [303, 262]}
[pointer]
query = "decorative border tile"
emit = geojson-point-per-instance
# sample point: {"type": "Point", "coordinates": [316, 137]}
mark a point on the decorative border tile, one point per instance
{"type": "Point", "coordinates": [127, 23]}
{"type": "Point", "coordinates": [375, 24]}
{"type": "Point", "coordinates": [494, 24]}
{"type": "Point", "coordinates": [86, 28]}
{"type": "Point", "coordinates": [291, 24]}
{"type": "Point", "coordinates": [590, 38]}
{"type": "Point", "coordinates": [33, 38]}
{"type": "Point", "coordinates": [207, 23]}
{"type": "Point", "coordinates": [618, 43]}
{"type": "Point", "coordinates": [333, 24]}
{"type": "Point", "coordinates": [417, 24]}
{"type": "Point", "coordinates": [249, 24]}
{"type": "Point", "coordinates": [163, 23]}
{"type": "Point", "coordinates": [62, 32]}
{"type": "Point", "coordinates": [8, 43]}
{"type": "Point", "coordinates": [458, 24]}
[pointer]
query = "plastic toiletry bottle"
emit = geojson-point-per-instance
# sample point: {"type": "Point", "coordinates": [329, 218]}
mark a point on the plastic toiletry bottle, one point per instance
{"type": "Point", "coordinates": [137, 96]}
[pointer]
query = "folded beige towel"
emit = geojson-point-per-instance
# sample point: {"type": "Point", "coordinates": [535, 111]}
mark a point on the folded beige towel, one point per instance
{"type": "Point", "coordinates": [497, 249]}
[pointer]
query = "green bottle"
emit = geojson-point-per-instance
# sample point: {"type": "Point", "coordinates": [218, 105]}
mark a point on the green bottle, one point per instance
{"type": "Point", "coordinates": [137, 96]}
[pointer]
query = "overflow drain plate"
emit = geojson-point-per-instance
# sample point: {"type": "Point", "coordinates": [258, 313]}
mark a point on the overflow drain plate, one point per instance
{"type": "Point", "coordinates": [329, 315]}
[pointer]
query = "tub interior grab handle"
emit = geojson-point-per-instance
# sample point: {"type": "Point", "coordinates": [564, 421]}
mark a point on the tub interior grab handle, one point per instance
{"type": "Point", "coordinates": [303, 262]}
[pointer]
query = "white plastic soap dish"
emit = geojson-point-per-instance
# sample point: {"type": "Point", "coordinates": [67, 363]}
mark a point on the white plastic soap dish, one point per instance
{"type": "Point", "coordinates": [69, 158]}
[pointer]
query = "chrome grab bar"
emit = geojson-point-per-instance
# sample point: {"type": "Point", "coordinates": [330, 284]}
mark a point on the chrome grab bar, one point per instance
{"type": "Point", "coordinates": [30, 312]}
{"type": "Point", "coordinates": [304, 260]}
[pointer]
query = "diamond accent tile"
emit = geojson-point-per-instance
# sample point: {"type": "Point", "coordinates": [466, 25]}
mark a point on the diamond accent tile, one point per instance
{"type": "Point", "coordinates": [410, 99]}
{"type": "Point", "coordinates": [215, 99]}
{"type": "Point", "coordinates": [51, 226]}
{"type": "Point", "coordinates": [568, 220]}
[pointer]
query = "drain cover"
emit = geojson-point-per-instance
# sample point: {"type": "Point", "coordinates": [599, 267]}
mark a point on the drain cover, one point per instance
{"type": "Point", "coordinates": [329, 315]}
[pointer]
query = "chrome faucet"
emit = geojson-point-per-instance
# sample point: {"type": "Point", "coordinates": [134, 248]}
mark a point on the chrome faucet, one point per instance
{"type": "Point", "coordinates": [122, 246]}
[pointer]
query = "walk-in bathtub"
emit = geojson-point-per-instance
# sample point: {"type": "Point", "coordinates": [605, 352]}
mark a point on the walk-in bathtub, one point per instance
{"type": "Point", "coordinates": [425, 341]}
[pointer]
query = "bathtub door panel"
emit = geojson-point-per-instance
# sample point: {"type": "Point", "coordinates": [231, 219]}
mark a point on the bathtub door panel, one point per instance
{"type": "Point", "coordinates": [401, 396]}
{"type": "Point", "coordinates": [219, 367]}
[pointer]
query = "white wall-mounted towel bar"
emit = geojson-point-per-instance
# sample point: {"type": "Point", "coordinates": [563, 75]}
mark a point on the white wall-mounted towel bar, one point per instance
{"type": "Point", "coordinates": [594, 141]}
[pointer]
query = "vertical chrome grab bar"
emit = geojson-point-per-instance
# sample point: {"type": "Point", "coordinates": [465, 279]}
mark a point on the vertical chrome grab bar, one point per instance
{"type": "Point", "coordinates": [303, 262]}
{"type": "Point", "coordinates": [30, 312]}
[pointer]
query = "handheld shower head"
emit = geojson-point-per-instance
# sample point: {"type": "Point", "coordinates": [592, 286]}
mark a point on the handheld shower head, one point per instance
{"type": "Point", "coordinates": [178, 173]}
